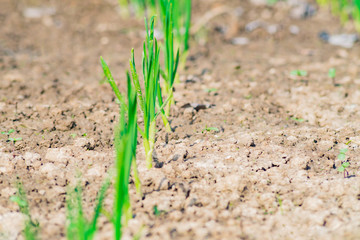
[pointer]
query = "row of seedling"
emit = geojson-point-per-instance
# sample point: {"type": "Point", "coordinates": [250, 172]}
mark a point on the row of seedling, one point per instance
{"type": "Point", "coordinates": [152, 100]}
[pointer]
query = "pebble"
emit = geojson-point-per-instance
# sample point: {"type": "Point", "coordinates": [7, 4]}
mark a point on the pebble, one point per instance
{"type": "Point", "coordinates": [272, 29]}
{"type": "Point", "coordinates": [293, 29]}
{"type": "Point", "coordinates": [38, 12]}
{"type": "Point", "coordinates": [251, 26]}
{"type": "Point", "coordinates": [240, 41]}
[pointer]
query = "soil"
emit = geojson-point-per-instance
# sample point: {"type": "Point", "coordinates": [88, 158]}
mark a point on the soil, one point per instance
{"type": "Point", "coordinates": [270, 172]}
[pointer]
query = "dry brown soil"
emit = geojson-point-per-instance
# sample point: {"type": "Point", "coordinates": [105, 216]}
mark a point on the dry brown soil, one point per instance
{"type": "Point", "coordinates": [265, 175]}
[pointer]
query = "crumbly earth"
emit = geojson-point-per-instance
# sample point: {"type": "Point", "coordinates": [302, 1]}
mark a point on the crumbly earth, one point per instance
{"type": "Point", "coordinates": [270, 172]}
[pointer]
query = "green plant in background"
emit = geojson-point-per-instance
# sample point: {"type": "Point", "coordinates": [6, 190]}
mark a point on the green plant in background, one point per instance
{"type": "Point", "coordinates": [182, 23]}
{"type": "Point", "coordinates": [32, 227]}
{"type": "Point", "coordinates": [140, 6]}
{"type": "Point", "coordinates": [344, 165]}
{"type": "Point", "coordinates": [171, 61]}
{"type": "Point", "coordinates": [78, 227]}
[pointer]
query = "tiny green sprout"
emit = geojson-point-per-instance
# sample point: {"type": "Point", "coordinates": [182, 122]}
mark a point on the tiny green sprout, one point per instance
{"type": "Point", "coordinates": [344, 165]}
{"type": "Point", "coordinates": [332, 73]}
{"type": "Point", "coordinates": [342, 154]}
{"type": "Point", "coordinates": [10, 139]}
{"type": "Point", "coordinates": [73, 135]}
{"type": "Point", "coordinates": [8, 132]}
{"type": "Point", "coordinates": [14, 140]}
{"type": "Point", "coordinates": [210, 90]}
{"type": "Point", "coordinates": [298, 73]}
{"type": "Point", "coordinates": [84, 135]}
{"type": "Point", "coordinates": [208, 129]}
{"type": "Point", "coordinates": [300, 120]}
{"type": "Point", "coordinates": [247, 97]}
{"type": "Point", "coordinates": [157, 212]}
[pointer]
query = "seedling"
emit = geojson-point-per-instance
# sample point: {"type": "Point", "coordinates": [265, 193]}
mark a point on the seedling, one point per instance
{"type": "Point", "coordinates": [11, 139]}
{"type": "Point", "coordinates": [209, 129]}
{"type": "Point", "coordinates": [300, 120]}
{"type": "Point", "coordinates": [210, 90]}
{"type": "Point", "coordinates": [8, 132]}
{"type": "Point", "coordinates": [31, 227]}
{"type": "Point", "coordinates": [298, 73]}
{"type": "Point", "coordinates": [140, 6]}
{"type": "Point", "coordinates": [332, 73]}
{"type": "Point", "coordinates": [157, 212]}
{"type": "Point", "coordinates": [344, 165]}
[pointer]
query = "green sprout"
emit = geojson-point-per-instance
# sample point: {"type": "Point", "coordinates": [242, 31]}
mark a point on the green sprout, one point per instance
{"type": "Point", "coordinates": [332, 73]}
{"type": "Point", "coordinates": [157, 212]}
{"type": "Point", "coordinates": [344, 164]}
{"type": "Point", "coordinates": [11, 139]}
{"type": "Point", "coordinates": [299, 73]}
{"type": "Point", "coordinates": [8, 132]}
{"type": "Point", "coordinates": [78, 226]}
{"type": "Point", "coordinates": [209, 129]}
{"type": "Point", "coordinates": [73, 135]}
{"type": "Point", "coordinates": [210, 90]}
{"type": "Point", "coordinates": [31, 227]}
{"type": "Point", "coordinates": [300, 120]}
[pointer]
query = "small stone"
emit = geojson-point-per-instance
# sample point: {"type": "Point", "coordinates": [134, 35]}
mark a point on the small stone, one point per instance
{"type": "Point", "coordinates": [38, 12]}
{"type": "Point", "coordinates": [240, 41]}
{"type": "Point", "coordinates": [272, 29]}
{"type": "Point", "coordinates": [293, 29]}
